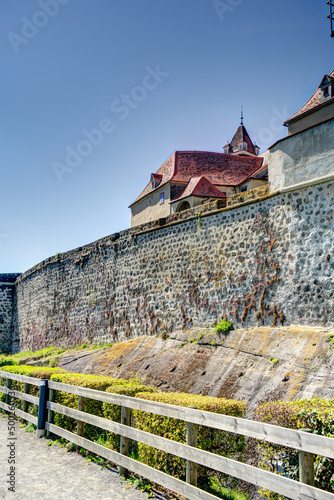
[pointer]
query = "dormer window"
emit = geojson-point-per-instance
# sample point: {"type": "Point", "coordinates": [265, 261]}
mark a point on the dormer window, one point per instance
{"type": "Point", "coordinates": [257, 150]}
{"type": "Point", "coordinates": [242, 146]}
{"type": "Point", "coordinates": [326, 92]}
{"type": "Point", "coordinates": [155, 180]}
{"type": "Point", "coordinates": [227, 148]}
{"type": "Point", "coordinates": [326, 87]}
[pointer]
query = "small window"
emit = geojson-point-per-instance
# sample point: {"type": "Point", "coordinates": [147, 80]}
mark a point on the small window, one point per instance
{"type": "Point", "coordinates": [326, 91]}
{"type": "Point", "coordinates": [162, 199]}
{"type": "Point", "coordinates": [243, 189]}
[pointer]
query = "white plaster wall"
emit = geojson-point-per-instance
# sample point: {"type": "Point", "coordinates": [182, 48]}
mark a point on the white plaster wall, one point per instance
{"type": "Point", "coordinates": [302, 157]}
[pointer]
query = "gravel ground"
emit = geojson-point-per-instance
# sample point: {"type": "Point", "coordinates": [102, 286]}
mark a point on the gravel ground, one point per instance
{"type": "Point", "coordinates": [45, 472]}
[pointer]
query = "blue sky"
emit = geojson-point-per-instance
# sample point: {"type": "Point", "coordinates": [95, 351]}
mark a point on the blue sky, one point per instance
{"type": "Point", "coordinates": [153, 76]}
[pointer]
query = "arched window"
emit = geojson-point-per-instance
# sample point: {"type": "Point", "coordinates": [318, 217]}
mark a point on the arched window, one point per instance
{"type": "Point", "coordinates": [183, 206]}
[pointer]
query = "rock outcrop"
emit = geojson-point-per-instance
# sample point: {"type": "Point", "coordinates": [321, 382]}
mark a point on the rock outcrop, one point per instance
{"type": "Point", "coordinates": [255, 365]}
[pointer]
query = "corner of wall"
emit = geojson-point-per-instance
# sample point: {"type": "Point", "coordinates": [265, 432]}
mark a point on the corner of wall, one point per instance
{"type": "Point", "coordinates": [8, 313]}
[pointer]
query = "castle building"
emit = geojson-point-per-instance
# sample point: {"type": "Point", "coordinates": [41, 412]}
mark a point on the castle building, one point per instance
{"type": "Point", "coordinates": [190, 178]}
{"type": "Point", "coordinates": [319, 107]}
{"type": "Point", "coordinates": [306, 155]}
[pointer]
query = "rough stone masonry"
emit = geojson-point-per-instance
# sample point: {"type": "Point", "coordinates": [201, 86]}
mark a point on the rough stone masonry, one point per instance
{"type": "Point", "coordinates": [7, 296]}
{"type": "Point", "coordinates": [265, 262]}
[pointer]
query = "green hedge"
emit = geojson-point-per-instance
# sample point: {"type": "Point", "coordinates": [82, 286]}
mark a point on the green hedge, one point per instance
{"type": "Point", "coordinates": [6, 360]}
{"type": "Point", "coordinates": [92, 406]}
{"type": "Point", "coordinates": [220, 442]}
{"type": "Point", "coordinates": [213, 440]}
{"type": "Point", "coordinates": [32, 371]}
{"type": "Point", "coordinates": [29, 371]}
{"type": "Point", "coordinates": [315, 414]}
{"type": "Point", "coordinates": [113, 412]}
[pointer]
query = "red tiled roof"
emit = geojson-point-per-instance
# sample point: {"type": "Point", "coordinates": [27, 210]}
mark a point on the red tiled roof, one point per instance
{"type": "Point", "coordinates": [166, 171]}
{"type": "Point", "coordinates": [219, 168]}
{"type": "Point", "coordinates": [313, 102]}
{"type": "Point", "coordinates": [261, 172]}
{"type": "Point", "coordinates": [199, 186]}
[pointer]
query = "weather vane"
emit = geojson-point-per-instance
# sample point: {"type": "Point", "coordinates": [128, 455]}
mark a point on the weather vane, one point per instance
{"type": "Point", "coordinates": [242, 115]}
{"type": "Point", "coordinates": [331, 15]}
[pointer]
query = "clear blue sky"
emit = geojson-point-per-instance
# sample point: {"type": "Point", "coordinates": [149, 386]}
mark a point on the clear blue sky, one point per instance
{"type": "Point", "coordinates": [68, 64]}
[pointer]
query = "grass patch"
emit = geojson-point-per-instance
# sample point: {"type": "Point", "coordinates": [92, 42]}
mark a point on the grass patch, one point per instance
{"type": "Point", "coordinates": [217, 489]}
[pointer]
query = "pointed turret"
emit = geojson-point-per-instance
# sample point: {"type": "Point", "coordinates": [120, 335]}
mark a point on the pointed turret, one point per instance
{"type": "Point", "coordinates": [241, 143]}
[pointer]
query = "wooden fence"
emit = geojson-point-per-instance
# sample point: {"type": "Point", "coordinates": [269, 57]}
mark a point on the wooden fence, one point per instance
{"type": "Point", "coordinates": [307, 444]}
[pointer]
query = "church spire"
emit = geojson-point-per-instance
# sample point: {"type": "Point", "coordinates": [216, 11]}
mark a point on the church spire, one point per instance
{"type": "Point", "coordinates": [241, 143]}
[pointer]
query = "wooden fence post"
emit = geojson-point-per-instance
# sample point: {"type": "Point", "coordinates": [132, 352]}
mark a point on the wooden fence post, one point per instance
{"type": "Point", "coordinates": [81, 425]}
{"type": "Point", "coordinates": [9, 386]}
{"type": "Point", "coordinates": [25, 404]}
{"type": "Point", "coordinates": [191, 467]}
{"type": "Point", "coordinates": [306, 465]}
{"type": "Point", "coordinates": [125, 442]}
{"type": "Point", "coordinates": [51, 414]}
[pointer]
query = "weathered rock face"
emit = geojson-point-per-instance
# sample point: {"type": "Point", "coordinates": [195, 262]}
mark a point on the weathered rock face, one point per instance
{"type": "Point", "coordinates": [262, 263]}
{"type": "Point", "coordinates": [253, 365]}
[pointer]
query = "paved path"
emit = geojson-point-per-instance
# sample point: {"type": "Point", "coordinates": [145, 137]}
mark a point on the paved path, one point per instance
{"type": "Point", "coordinates": [45, 472]}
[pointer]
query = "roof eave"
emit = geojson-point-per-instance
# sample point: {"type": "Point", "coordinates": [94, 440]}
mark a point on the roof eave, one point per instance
{"type": "Point", "coordinates": [308, 112]}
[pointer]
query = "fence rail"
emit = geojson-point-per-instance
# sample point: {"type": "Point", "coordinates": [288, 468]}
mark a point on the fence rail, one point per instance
{"type": "Point", "coordinates": [307, 444]}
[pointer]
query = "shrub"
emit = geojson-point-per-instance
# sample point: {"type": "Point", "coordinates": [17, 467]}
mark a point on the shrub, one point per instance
{"type": "Point", "coordinates": [315, 414]}
{"type": "Point", "coordinates": [98, 408]}
{"type": "Point", "coordinates": [213, 440]}
{"type": "Point", "coordinates": [92, 406]}
{"type": "Point", "coordinates": [223, 326]}
{"type": "Point", "coordinates": [33, 371]}
{"type": "Point", "coordinates": [113, 412]}
{"type": "Point", "coordinates": [6, 360]}
{"type": "Point", "coordinates": [29, 371]}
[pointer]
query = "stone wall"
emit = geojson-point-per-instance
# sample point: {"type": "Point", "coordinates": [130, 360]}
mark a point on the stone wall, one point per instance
{"type": "Point", "coordinates": [7, 297]}
{"type": "Point", "coordinates": [264, 262]}
{"type": "Point", "coordinates": [252, 194]}
{"type": "Point", "coordinates": [302, 157]}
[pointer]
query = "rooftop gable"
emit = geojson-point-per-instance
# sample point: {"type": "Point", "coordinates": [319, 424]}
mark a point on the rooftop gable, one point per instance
{"type": "Point", "coordinates": [313, 102]}
{"type": "Point", "coordinates": [201, 187]}
{"type": "Point", "coordinates": [219, 168]}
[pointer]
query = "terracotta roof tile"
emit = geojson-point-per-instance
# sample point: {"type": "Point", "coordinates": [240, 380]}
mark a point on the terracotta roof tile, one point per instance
{"type": "Point", "coordinates": [166, 171]}
{"type": "Point", "coordinates": [199, 186]}
{"type": "Point", "coordinates": [219, 168]}
{"type": "Point", "coordinates": [261, 172]}
{"type": "Point", "coordinates": [313, 102]}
